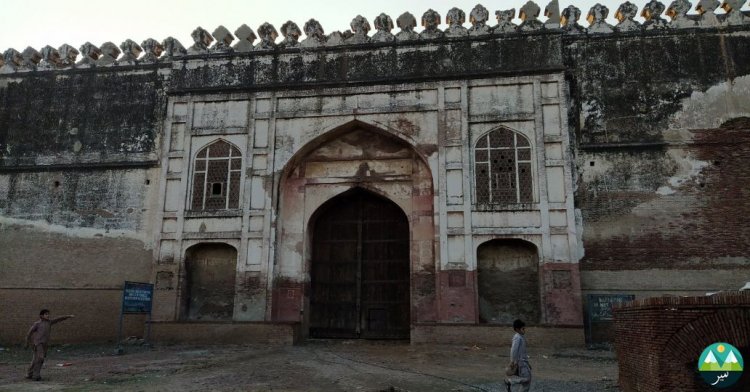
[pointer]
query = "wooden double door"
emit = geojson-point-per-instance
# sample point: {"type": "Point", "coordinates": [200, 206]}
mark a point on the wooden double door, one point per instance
{"type": "Point", "coordinates": [360, 269]}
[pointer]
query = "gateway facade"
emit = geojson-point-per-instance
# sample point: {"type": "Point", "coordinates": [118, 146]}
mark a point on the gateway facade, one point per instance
{"type": "Point", "coordinates": [425, 186]}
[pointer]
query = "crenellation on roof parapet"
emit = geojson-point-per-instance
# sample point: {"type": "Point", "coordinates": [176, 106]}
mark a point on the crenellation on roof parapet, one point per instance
{"type": "Point", "coordinates": [597, 19]}
{"type": "Point", "coordinates": [223, 40]}
{"type": "Point", "coordinates": [383, 24]}
{"type": "Point", "coordinates": [455, 20]}
{"type": "Point", "coordinates": [153, 50]}
{"type": "Point", "coordinates": [505, 22]}
{"type": "Point", "coordinates": [89, 54]}
{"type": "Point", "coordinates": [244, 39]}
{"type": "Point", "coordinates": [407, 23]}
{"type": "Point", "coordinates": [50, 59]}
{"type": "Point", "coordinates": [201, 41]}
{"type": "Point", "coordinates": [130, 52]}
{"type": "Point", "coordinates": [529, 15]}
{"type": "Point", "coordinates": [110, 53]}
{"type": "Point", "coordinates": [478, 18]}
{"type": "Point", "coordinates": [624, 15]}
{"type": "Point", "coordinates": [569, 20]}
{"type": "Point", "coordinates": [315, 34]}
{"type": "Point", "coordinates": [430, 22]}
{"type": "Point", "coordinates": [291, 33]}
{"type": "Point", "coordinates": [552, 13]}
{"type": "Point", "coordinates": [31, 57]}
{"type": "Point", "coordinates": [268, 35]}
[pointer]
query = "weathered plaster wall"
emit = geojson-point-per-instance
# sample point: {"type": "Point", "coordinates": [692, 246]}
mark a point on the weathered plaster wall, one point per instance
{"type": "Point", "coordinates": [75, 117]}
{"type": "Point", "coordinates": [390, 62]}
{"type": "Point", "coordinates": [357, 157]}
{"type": "Point", "coordinates": [76, 195]}
{"type": "Point", "coordinates": [661, 184]}
{"type": "Point", "coordinates": [658, 179]}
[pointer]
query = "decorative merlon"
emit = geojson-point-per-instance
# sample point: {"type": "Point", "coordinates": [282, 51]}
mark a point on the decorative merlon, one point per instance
{"type": "Point", "coordinates": [455, 20]}
{"type": "Point", "coordinates": [678, 12]}
{"type": "Point", "coordinates": [407, 23]}
{"type": "Point", "coordinates": [291, 33]}
{"type": "Point", "coordinates": [552, 13]}
{"type": "Point", "coordinates": [529, 14]}
{"type": "Point", "coordinates": [244, 39]}
{"type": "Point", "coordinates": [478, 19]}
{"type": "Point", "coordinates": [201, 40]}
{"type": "Point", "coordinates": [430, 22]}
{"type": "Point", "coordinates": [383, 24]}
{"type": "Point", "coordinates": [569, 20]}
{"type": "Point", "coordinates": [505, 22]}
{"type": "Point", "coordinates": [223, 40]}
{"type": "Point", "coordinates": [625, 15]}
{"type": "Point", "coordinates": [597, 20]}
{"type": "Point", "coordinates": [652, 13]}
{"type": "Point", "coordinates": [360, 27]}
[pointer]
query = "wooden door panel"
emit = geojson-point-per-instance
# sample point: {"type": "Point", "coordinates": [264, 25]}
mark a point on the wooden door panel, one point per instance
{"type": "Point", "coordinates": [360, 270]}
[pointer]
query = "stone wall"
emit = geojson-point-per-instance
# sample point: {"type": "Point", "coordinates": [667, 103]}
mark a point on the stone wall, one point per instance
{"type": "Point", "coordinates": [96, 310]}
{"type": "Point", "coordinates": [659, 340]}
{"type": "Point", "coordinates": [660, 144]}
{"type": "Point", "coordinates": [76, 194]}
{"type": "Point", "coordinates": [95, 154]}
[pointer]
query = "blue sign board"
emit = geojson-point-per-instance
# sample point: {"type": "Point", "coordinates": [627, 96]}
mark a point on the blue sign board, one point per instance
{"type": "Point", "coordinates": [136, 298]}
{"type": "Point", "coordinates": [600, 305]}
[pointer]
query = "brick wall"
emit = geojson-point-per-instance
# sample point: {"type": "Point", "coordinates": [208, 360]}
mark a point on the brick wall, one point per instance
{"type": "Point", "coordinates": [659, 340]}
{"type": "Point", "coordinates": [96, 315]}
{"type": "Point", "coordinates": [68, 274]}
{"type": "Point", "coordinates": [640, 211]}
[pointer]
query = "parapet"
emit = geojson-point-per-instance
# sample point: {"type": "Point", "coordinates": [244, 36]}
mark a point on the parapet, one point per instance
{"type": "Point", "coordinates": [222, 41]}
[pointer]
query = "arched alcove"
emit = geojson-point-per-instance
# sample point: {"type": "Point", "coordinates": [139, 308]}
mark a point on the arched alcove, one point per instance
{"type": "Point", "coordinates": [508, 282]}
{"type": "Point", "coordinates": [209, 289]}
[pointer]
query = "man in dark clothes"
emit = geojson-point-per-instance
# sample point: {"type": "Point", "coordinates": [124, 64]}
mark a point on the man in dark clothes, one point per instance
{"type": "Point", "coordinates": [38, 336]}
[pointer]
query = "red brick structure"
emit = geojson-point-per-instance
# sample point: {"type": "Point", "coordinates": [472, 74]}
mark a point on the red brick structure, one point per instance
{"type": "Point", "coordinates": [659, 340]}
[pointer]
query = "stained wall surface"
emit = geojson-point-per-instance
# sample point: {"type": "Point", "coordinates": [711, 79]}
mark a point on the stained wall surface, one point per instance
{"type": "Point", "coordinates": [77, 185]}
{"type": "Point", "coordinates": [637, 147]}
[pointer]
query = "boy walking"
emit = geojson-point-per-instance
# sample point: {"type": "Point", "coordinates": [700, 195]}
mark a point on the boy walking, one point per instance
{"type": "Point", "coordinates": [519, 357]}
{"type": "Point", "coordinates": [38, 336]}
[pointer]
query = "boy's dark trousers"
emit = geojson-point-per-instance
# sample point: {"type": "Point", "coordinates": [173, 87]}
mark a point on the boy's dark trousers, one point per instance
{"type": "Point", "coordinates": [40, 352]}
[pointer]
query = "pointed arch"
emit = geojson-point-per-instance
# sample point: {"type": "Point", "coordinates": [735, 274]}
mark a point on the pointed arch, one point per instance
{"type": "Point", "coordinates": [216, 176]}
{"type": "Point", "coordinates": [503, 168]}
{"type": "Point", "coordinates": [334, 132]}
{"type": "Point", "coordinates": [360, 188]}
{"type": "Point", "coordinates": [382, 165]}
{"type": "Point", "coordinates": [360, 267]}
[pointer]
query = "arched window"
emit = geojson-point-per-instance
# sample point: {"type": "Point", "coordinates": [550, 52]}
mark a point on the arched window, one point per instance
{"type": "Point", "coordinates": [216, 177]}
{"type": "Point", "coordinates": [502, 168]}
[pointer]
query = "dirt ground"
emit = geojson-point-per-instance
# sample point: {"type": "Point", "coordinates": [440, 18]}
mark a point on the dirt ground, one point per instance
{"type": "Point", "coordinates": [317, 365]}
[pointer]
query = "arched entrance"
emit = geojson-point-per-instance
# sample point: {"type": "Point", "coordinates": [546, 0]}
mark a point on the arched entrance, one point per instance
{"type": "Point", "coordinates": [210, 271]}
{"type": "Point", "coordinates": [508, 282]}
{"type": "Point", "coordinates": [360, 269]}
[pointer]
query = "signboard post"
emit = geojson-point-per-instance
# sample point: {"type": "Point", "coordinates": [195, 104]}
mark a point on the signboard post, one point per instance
{"type": "Point", "coordinates": [136, 299]}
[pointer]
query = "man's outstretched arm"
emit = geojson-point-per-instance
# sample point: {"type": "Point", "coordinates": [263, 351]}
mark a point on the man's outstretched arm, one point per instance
{"type": "Point", "coordinates": [62, 318]}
